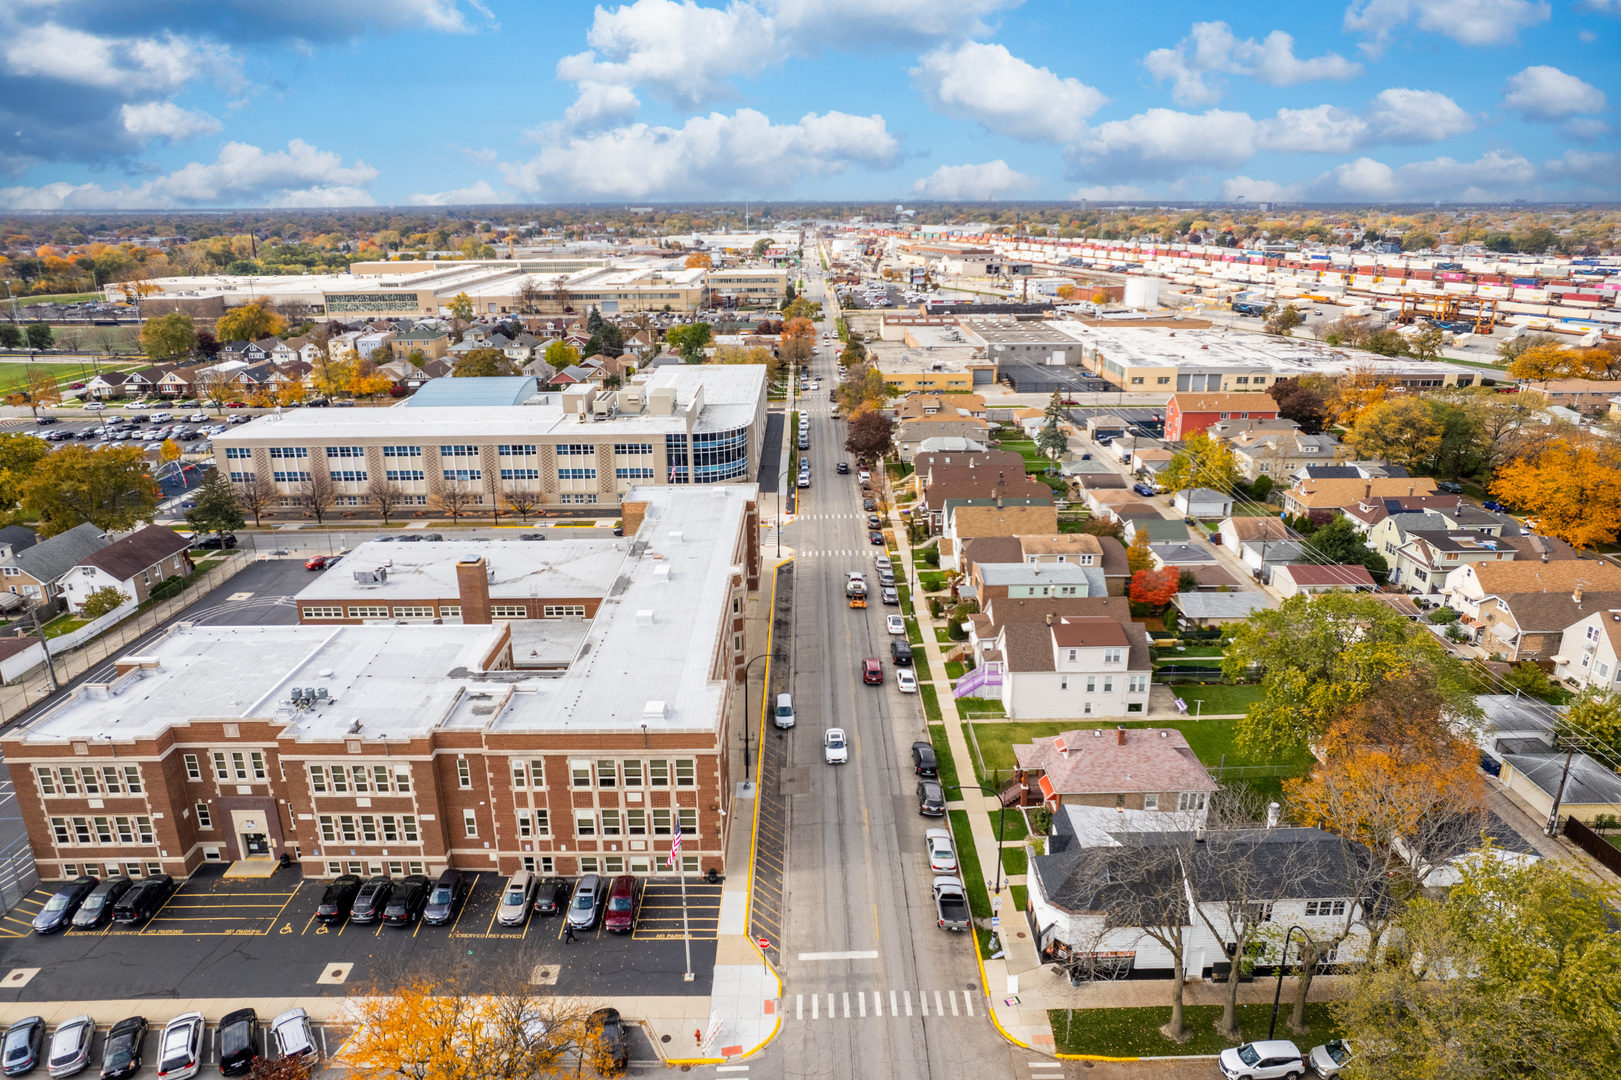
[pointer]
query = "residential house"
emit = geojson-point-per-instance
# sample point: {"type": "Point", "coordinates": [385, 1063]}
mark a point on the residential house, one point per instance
{"type": "Point", "coordinates": [1265, 556]}
{"type": "Point", "coordinates": [972, 519]}
{"type": "Point", "coordinates": [1236, 531]}
{"type": "Point", "coordinates": [606, 369]}
{"type": "Point", "coordinates": [1150, 769]}
{"type": "Point", "coordinates": [962, 466]}
{"type": "Point", "coordinates": [1349, 470]}
{"type": "Point", "coordinates": [105, 385]}
{"type": "Point", "coordinates": [1077, 889]}
{"type": "Point", "coordinates": [1185, 555]}
{"type": "Point", "coordinates": [253, 378]}
{"type": "Point", "coordinates": [1077, 549]}
{"type": "Point", "coordinates": [1308, 495]}
{"type": "Point", "coordinates": [1590, 651]}
{"type": "Point", "coordinates": [292, 373]}
{"type": "Point", "coordinates": [989, 580]}
{"type": "Point", "coordinates": [15, 538]}
{"type": "Point", "coordinates": [572, 375]}
{"type": "Point", "coordinates": [639, 343]}
{"type": "Point", "coordinates": [917, 404]}
{"type": "Point", "coordinates": [1451, 512]}
{"type": "Point", "coordinates": [1580, 395]}
{"type": "Point", "coordinates": [1207, 609]}
{"type": "Point", "coordinates": [132, 565]}
{"type": "Point", "coordinates": [1278, 454]}
{"type": "Point", "coordinates": [431, 343]}
{"type": "Point", "coordinates": [285, 352]}
{"type": "Point", "coordinates": [523, 348]}
{"type": "Point", "coordinates": [180, 382]}
{"type": "Point", "coordinates": [1522, 608]}
{"type": "Point", "coordinates": [33, 572]}
{"type": "Point", "coordinates": [1073, 666]}
{"type": "Point", "coordinates": [1424, 557]}
{"type": "Point", "coordinates": [1186, 414]}
{"type": "Point", "coordinates": [999, 485]}
{"type": "Point", "coordinates": [1293, 579]}
{"type": "Point", "coordinates": [911, 434]}
{"type": "Point", "coordinates": [1202, 502]}
{"type": "Point", "coordinates": [1518, 745]}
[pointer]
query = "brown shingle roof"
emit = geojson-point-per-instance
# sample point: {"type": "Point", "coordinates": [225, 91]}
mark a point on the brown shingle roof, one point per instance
{"type": "Point", "coordinates": [1088, 633]}
{"type": "Point", "coordinates": [1259, 528]}
{"type": "Point", "coordinates": [125, 558]}
{"type": "Point", "coordinates": [1325, 494]}
{"type": "Point", "coordinates": [1543, 612]}
{"type": "Point", "coordinates": [1225, 403]}
{"type": "Point", "coordinates": [1004, 521]}
{"type": "Point", "coordinates": [989, 549]}
{"type": "Point", "coordinates": [1060, 544]}
{"type": "Point", "coordinates": [1114, 557]}
{"type": "Point", "coordinates": [1313, 574]}
{"type": "Point", "coordinates": [1564, 575]}
{"type": "Point", "coordinates": [1102, 762]}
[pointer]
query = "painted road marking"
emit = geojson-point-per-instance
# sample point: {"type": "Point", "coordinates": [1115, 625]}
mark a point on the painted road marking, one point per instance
{"type": "Point", "coordinates": [857, 954]}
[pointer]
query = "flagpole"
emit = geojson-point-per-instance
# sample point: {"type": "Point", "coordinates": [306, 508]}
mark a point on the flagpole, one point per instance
{"type": "Point", "coordinates": [686, 934]}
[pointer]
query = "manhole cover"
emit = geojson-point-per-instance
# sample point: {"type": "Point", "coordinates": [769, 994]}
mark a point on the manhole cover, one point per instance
{"type": "Point", "coordinates": [1021, 933]}
{"type": "Point", "coordinates": [664, 1038]}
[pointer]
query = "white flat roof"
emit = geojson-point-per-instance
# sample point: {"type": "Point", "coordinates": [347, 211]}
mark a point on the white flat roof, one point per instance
{"type": "Point", "coordinates": [519, 570]}
{"type": "Point", "coordinates": [654, 639]}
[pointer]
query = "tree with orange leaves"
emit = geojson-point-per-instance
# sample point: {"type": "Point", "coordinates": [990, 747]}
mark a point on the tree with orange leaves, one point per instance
{"type": "Point", "coordinates": [1572, 488]}
{"type": "Point", "coordinates": [698, 260]}
{"type": "Point", "coordinates": [1155, 588]}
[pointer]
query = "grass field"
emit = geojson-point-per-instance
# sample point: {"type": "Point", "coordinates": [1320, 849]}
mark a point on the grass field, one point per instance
{"type": "Point", "coordinates": [1135, 1032]}
{"type": "Point", "coordinates": [1217, 699]}
{"type": "Point", "coordinates": [1214, 742]}
{"type": "Point", "coordinates": [14, 373]}
{"type": "Point", "coordinates": [59, 298]}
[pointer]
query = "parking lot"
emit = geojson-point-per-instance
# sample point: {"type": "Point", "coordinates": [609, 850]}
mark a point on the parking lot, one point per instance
{"type": "Point", "coordinates": [232, 937]}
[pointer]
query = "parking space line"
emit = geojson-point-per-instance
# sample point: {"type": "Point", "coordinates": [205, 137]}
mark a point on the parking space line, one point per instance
{"type": "Point", "coordinates": [467, 902]}
{"type": "Point", "coordinates": [158, 912]}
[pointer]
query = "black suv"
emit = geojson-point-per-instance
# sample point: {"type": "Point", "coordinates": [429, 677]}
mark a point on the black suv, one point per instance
{"type": "Point", "coordinates": [371, 899]}
{"type": "Point", "coordinates": [222, 542]}
{"type": "Point", "coordinates": [337, 899]}
{"type": "Point", "coordinates": [931, 798]}
{"type": "Point", "coordinates": [239, 1042]}
{"type": "Point", "coordinates": [405, 903]}
{"type": "Point", "coordinates": [552, 896]}
{"type": "Point", "coordinates": [446, 899]}
{"type": "Point", "coordinates": [901, 653]}
{"type": "Point", "coordinates": [923, 762]}
{"type": "Point", "coordinates": [143, 900]}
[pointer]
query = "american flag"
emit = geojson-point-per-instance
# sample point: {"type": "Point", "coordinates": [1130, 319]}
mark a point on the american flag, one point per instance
{"type": "Point", "coordinates": [675, 846]}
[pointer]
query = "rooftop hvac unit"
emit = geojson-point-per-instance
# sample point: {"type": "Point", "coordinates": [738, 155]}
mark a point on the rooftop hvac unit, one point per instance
{"type": "Point", "coordinates": [375, 576]}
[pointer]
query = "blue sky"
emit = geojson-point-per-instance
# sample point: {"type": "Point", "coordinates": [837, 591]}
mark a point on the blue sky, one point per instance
{"type": "Point", "coordinates": [177, 103]}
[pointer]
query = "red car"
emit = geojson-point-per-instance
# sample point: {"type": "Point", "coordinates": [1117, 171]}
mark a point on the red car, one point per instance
{"type": "Point", "coordinates": [872, 671]}
{"type": "Point", "coordinates": [236, 404]}
{"type": "Point", "coordinates": [623, 900]}
{"type": "Point", "coordinates": [316, 563]}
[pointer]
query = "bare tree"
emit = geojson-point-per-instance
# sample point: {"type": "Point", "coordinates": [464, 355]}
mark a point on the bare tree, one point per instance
{"type": "Point", "coordinates": [256, 495]}
{"type": "Point", "coordinates": [523, 502]}
{"type": "Point", "coordinates": [1141, 890]}
{"type": "Point", "coordinates": [528, 296]}
{"type": "Point", "coordinates": [215, 387]}
{"type": "Point", "coordinates": [455, 501]}
{"type": "Point", "coordinates": [317, 495]}
{"type": "Point", "coordinates": [385, 496]}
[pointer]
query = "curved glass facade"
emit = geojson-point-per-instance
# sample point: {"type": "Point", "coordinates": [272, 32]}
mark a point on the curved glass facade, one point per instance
{"type": "Point", "coordinates": [712, 458]}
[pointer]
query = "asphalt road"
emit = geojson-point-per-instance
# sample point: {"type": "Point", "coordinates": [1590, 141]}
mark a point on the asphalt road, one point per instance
{"type": "Point", "coordinates": [873, 987]}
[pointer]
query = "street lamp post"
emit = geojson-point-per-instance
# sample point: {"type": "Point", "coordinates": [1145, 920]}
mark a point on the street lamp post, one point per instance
{"type": "Point", "coordinates": [1001, 824]}
{"type": "Point", "coordinates": [746, 667]}
{"type": "Point", "coordinates": [1283, 961]}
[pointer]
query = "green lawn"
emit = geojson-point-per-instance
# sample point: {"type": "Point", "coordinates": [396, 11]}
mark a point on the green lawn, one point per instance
{"type": "Point", "coordinates": [914, 633]}
{"type": "Point", "coordinates": [63, 624]}
{"type": "Point", "coordinates": [1013, 859]}
{"type": "Point", "coordinates": [1217, 699]}
{"type": "Point", "coordinates": [1211, 662]}
{"type": "Point", "coordinates": [60, 298]}
{"type": "Point", "coordinates": [920, 664]}
{"type": "Point", "coordinates": [14, 373]}
{"type": "Point", "coordinates": [1212, 741]}
{"type": "Point", "coordinates": [1020, 896]}
{"type": "Point", "coordinates": [979, 897]}
{"type": "Point", "coordinates": [942, 755]}
{"type": "Point", "coordinates": [1014, 828]}
{"type": "Point", "coordinates": [970, 707]}
{"type": "Point", "coordinates": [931, 580]}
{"type": "Point", "coordinates": [931, 703]}
{"type": "Point", "coordinates": [955, 669]}
{"type": "Point", "coordinates": [1135, 1032]}
{"type": "Point", "coordinates": [942, 635]}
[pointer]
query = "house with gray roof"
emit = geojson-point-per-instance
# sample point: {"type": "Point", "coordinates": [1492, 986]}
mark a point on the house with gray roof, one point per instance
{"type": "Point", "coordinates": [33, 573]}
{"type": "Point", "coordinates": [1206, 609]}
{"type": "Point", "coordinates": [133, 566]}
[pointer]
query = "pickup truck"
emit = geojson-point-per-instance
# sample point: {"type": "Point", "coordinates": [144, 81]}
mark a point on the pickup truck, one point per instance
{"type": "Point", "coordinates": [950, 903]}
{"type": "Point", "coordinates": [856, 590]}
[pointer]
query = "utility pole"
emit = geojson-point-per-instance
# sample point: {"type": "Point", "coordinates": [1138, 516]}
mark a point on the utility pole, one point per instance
{"type": "Point", "coordinates": [1552, 828]}
{"type": "Point", "coordinates": [50, 669]}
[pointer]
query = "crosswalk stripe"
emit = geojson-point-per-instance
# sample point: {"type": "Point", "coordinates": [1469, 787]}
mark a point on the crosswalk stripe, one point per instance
{"type": "Point", "coordinates": [954, 1011]}
{"type": "Point", "coordinates": [847, 1004]}
{"type": "Point", "coordinates": [908, 996]}
{"type": "Point", "coordinates": [892, 1010]}
{"type": "Point", "coordinates": [939, 1009]}
{"type": "Point", "coordinates": [923, 1001]}
{"type": "Point", "coordinates": [968, 1002]}
{"type": "Point", "coordinates": [861, 1001]}
{"type": "Point", "coordinates": [816, 1006]}
{"type": "Point", "coordinates": [878, 1003]}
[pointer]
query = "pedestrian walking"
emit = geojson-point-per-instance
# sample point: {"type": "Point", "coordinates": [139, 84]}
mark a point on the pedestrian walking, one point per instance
{"type": "Point", "coordinates": [568, 933]}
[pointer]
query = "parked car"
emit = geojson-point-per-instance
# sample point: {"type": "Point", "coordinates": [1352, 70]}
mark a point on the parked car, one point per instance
{"type": "Point", "coordinates": [293, 1036]}
{"type": "Point", "coordinates": [872, 671]}
{"type": "Point", "coordinates": [868, 505]}
{"type": "Point", "coordinates": [942, 855]}
{"type": "Point", "coordinates": [906, 680]}
{"type": "Point", "coordinates": [1326, 1060]}
{"type": "Point", "coordinates": [874, 521]}
{"type": "Point", "coordinates": [900, 651]}
{"type": "Point", "coordinates": [1451, 487]}
{"type": "Point", "coordinates": [835, 748]}
{"type": "Point", "coordinates": [950, 903]}
{"type": "Point", "coordinates": [923, 760]}
{"type": "Point", "coordinates": [446, 899]}
{"type": "Point", "coordinates": [371, 899]}
{"type": "Point", "coordinates": [607, 1037]}
{"type": "Point", "coordinates": [586, 907]}
{"type": "Point", "coordinates": [1144, 489]}
{"type": "Point", "coordinates": [70, 1046]}
{"type": "Point", "coordinates": [143, 900]}
{"type": "Point", "coordinates": [881, 563]}
{"type": "Point", "coordinates": [19, 1051]}
{"type": "Point", "coordinates": [552, 896]}
{"type": "Point", "coordinates": [59, 910]}
{"type": "Point", "coordinates": [931, 798]}
{"type": "Point", "coordinates": [98, 906]}
{"type": "Point", "coordinates": [784, 716]}
{"type": "Point", "coordinates": [624, 898]}
{"type": "Point", "coordinates": [895, 624]}
{"type": "Point", "coordinates": [405, 904]}
{"type": "Point", "coordinates": [843, 468]}
{"type": "Point", "coordinates": [223, 542]}
{"type": "Point", "coordinates": [316, 562]}
{"type": "Point", "coordinates": [1262, 1061]}
{"type": "Point", "coordinates": [338, 898]}
{"type": "Point", "coordinates": [121, 1056]}
{"type": "Point", "coordinates": [180, 1050]}
{"type": "Point", "coordinates": [239, 1042]}
{"type": "Point", "coordinates": [877, 538]}
{"type": "Point", "coordinates": [804, 480]}
{"type": "Point", "coordinates": [517, 899]}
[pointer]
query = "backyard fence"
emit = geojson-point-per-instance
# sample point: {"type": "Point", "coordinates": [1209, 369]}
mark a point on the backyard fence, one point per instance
{"type": "Point", "coordinates": [1594, 844]}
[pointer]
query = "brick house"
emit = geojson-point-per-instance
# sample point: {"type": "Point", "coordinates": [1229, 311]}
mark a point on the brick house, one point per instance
{"type": "Point", "coordinates": [34, 573]}
{"type": "Point", "coordinates": [1127, 768]}
{"type": "Point", "coordinates": [132, 565]}
{"type": "Point", "coordinates": [1186, 414]}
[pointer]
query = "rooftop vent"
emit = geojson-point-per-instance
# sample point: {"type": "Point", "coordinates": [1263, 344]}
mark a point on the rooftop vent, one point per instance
{"type": "Point", "coordinates": [661, 572]}
{"type": "Point", "coordinates": [656, 710]}
{"type": "Point", "coordinates": [644, 617]}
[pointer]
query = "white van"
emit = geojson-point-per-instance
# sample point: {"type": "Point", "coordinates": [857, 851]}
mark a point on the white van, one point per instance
{"type": "Point", "coordinates": [785, 711]}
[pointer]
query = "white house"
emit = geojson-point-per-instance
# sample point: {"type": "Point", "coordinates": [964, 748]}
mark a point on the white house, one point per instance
{"type": "Point", "coordinates": [132, 565]}
{"type": "Point", "coordinates": [1202, 502]}
{"type": "Point", "coordinates": [1070, 667]}
{"type": "Point", "coordinates": [1590, 651]}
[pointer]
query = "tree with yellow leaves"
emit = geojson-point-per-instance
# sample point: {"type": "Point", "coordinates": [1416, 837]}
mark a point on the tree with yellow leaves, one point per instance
{"type": "Point", "coordinates": [461, 307]}
{"type": "Point", "coordinates": [1540, 363]}
{"type": "Point", "coordinates": [1361, 386]}
{"type": "Point", "coordinates": [250, 322]}
{"type": "Point", "coordinates": [1402, 431]}
{"type": "Point", "coordinates": [169, 451]}
{"type": "Point", "coordinates": [1572, 488]}
{"type": "Point", "coordinates": [698, 260]}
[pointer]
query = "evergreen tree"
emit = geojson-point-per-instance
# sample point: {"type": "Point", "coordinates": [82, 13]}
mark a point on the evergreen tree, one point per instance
{"type": "Point", "coordinates": [216, 510]}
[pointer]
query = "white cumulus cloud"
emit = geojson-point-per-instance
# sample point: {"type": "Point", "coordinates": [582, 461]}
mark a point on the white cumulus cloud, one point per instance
{"type": "Point", "coordinates": [166, 120]}
{"type": "Point", "coordinates": [1004, 94]}
{"type": "Point", "coordinates": [1164, 142]}
{"type": "Point", "coordinates": [992, 180]}
{"type": "Point", "coordinates": [1468, 22]}
{"type": "Point", "coordinates": [1109, 193]}
{"type": "Point", "coordinates": [1211, 50]}
{"type": "Point", "coordinates": [478, 194]}
{"type": "Point", "coordinates": [856, 24]}
{"type": "Point", "coordinates": [242, 175]}
{"type": "Point", "coordinates": [127, 64]}
{"type": "Point", "coordinates": [1541, 92]}
{"type": "Point", "coordinates": [708, 156]}
{"type": "Point", "coordinates": [1400, 115]}
{"type": "Point", "coordinates": [1587, 166]}
{"type": "Point", "coordinates": [1495, 174]}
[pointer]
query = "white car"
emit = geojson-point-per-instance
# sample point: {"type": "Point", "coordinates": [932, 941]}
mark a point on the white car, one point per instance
{"type": "Point", "coordinates": [180, 1050]}
{"type": "Point", "coordinates": [293, 1036]}
{"type": "Point", "coordinates": [197, 418]}
{"type": "Point", "coordinates": [1326, 1060]}
{"type": "Point", "coordinates": [160, 417]}
{"type": "Point", "coordinates": [895, 624]}
{"type": "Point", "coordinates": [70, 1046]}
{"type": "Point", "coordinates": [882, 562]}
{"type": "Point", "coordinates": [784, 717]}
{"type": "Point", "coordinates": [942, 856]}
{"type": "Point", "coordinates": [834, 746]}
{"type": "Point", "coordinates": [94, 406]}
{"type": "Point", "coordinates": [1271, 1059]}
{"type": "Point", "coordinates": [906, 680]}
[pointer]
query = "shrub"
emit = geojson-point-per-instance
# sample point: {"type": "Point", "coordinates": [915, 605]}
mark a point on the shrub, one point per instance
{"type": "Point", "coordinates": [1442, 615]}
{"type": "Point", "coordinates": [102, 601]}
{"type": "Point", "coordinates": [1041, 820]}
